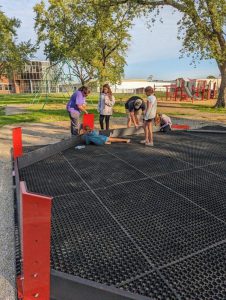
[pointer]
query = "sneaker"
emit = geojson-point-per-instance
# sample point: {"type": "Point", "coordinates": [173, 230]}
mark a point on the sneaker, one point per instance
{"type": "Point", "coordinates": [143, 142]}
{"type": "Point", "coordinates": [149, 144]}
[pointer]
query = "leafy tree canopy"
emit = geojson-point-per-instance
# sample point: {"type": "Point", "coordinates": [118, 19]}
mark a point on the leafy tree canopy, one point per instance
{"type": "Point", "coordinates": [201, 28]}
{"type": "Point", "coordinates": [13, 55]}
{"type": "Point", "coordinates": [92, 38]}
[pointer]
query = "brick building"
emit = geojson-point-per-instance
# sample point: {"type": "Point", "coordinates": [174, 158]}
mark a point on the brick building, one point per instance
{"type": "Point", "coordinates": [36, 77]}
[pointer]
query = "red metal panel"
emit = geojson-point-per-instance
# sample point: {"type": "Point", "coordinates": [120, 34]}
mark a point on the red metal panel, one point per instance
{"type": "Point", "coordinates": [35, 237]}
{"type": "Point", "coordinates": [88, 120]}
{"type": "Point", "coordinates": [17, 142]}
{"type": "Point", "coordinates": [180, 126]}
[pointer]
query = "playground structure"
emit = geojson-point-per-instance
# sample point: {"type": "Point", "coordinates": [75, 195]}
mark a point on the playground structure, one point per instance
{"type": "Point", "coordinates": [192, 89]}
{"type": "Point", "coordinates": [56, 78]}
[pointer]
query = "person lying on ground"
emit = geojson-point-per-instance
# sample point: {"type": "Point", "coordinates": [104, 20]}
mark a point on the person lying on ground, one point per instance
{"type": "Point", "coordinates": [164, 121]}
{"type": "Point", "coordinates": [90, 136]}
{"type": "Point", "coordinates": [134, 106]}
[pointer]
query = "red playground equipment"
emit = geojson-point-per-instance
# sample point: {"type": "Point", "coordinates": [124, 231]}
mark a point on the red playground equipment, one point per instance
{"type": "Point", "coordinates": [190, 89]}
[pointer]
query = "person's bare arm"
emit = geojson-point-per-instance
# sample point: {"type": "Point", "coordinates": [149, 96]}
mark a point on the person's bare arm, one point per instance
{"type": "Point", "coordinates": [132, 115]}
{"type": "Point", "coordinates": [82, 108]}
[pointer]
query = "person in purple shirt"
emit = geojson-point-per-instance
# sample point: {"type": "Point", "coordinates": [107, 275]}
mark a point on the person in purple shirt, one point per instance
{"type": "Point", "coordinates": [75, 106]}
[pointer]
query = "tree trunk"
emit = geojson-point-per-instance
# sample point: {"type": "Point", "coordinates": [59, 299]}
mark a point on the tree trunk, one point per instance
{"type": "Point", "coordinates": [221, 100]}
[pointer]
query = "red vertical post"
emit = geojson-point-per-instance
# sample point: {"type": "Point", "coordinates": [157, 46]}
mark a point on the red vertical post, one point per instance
{"type": "Point", "coordinates": [34, 282]}
{"type": "Point", "coordinates": [17, 142]}
{"type": "Point", "coordinates": [88, 120]}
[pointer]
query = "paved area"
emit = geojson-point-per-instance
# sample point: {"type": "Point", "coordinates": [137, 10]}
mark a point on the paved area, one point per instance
{"type": "Point", "coordinates": [13, 110]}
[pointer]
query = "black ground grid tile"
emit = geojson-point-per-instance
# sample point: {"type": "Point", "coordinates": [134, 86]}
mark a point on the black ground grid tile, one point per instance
{"type": "Point", "coordinates": [219, 169]}
{"type": "Point", "coordinates": [88, 151]}
{"type": "Point", "coordinates": [213, 138]}
{"type": "Point", "coordinates": [87, 242]}
{"type": "Point", "coordinates": [152, 162]}
{"type": "Point", "coordinates": [203, 188]}
{"type": "Point", "coordinates": [201, 277]}
{"type": "Point", "coordinates": [152, 286]}
{"type": "Point", "coordinates": [105, 170]}
{"type": "Point", "coordinates": [52, 176]}
{"type": "Point", "coordinates": [120, 147]}
{"type": "Point", "coordinates": [164, 225]}
{"type": "Point", "coordinates": [214, 127]}
{"type": "Point", "coordinates": [197, 153]}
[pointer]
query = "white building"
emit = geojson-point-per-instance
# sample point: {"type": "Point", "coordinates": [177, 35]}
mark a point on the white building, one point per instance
{"type": "Point", "coordinates": [138, 85]}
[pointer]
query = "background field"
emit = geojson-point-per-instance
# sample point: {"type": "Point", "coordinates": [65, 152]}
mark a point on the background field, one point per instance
{"type": "Point", "coordinates": [51, 108]}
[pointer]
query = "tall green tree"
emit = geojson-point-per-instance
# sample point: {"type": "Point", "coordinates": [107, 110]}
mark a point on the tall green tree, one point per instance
{"type": "Point", "coordinates": [13, 55]}
{"type": "Point", "coordinates": [202, 29]}
{"type": "Point", "coordinates": [94, 40]}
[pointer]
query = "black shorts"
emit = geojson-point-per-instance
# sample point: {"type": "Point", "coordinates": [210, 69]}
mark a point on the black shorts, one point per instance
{"type": "Point", "coordinates": [149, 120]}
{"type": "Point", "coordinates": [166, 129]}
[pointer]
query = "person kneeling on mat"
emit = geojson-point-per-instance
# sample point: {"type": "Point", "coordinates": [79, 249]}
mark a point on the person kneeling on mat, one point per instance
{"type": "Point", "coordinates": [164, 122]}
{"type": "Point", "coordinates": [90, 136]}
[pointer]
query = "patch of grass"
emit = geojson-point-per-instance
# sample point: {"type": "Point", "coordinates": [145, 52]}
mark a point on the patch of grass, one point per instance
{"type": "Point", "coordinates": [51, 113]}
{"type": "Point", "coordinates": [60, 98]}
{"type": "Point", "coordinates": [205, 108]}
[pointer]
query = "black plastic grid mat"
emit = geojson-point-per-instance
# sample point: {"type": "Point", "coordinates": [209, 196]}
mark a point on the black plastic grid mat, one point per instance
{"type": "Point", "coordinates": [192, 150]}
{"type": "Point", "coordinates": [53, 176]}
{"type": "Point", "coordinates": [166, 226]}
{"type": "Point", "coordinates": [96, 248]}
{"type": "Point", "coordinates": [104, 170]}
{"type": "Point", "coordinates": [203, 188]}
{"type": "Point", "coordinates": [214, 127]}
{"type": "Point", "coordinates": [142, 219]}
{"type": "Point", "coordinates": [201, 276]}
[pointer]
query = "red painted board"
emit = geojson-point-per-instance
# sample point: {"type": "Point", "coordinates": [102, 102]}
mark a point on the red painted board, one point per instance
{"type": "Point", "coordinates": [35, 241]}
{"type": "Point", "coordinates": [17, 142]}
{"type": "Point", "coordinates": [180, 126]}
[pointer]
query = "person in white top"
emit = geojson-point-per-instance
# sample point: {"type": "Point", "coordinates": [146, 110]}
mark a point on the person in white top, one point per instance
{"type": "Point", "coordinates": [149, 116]}
{"type": "Point", "coordinates": [165, 123]}
{"type": "Point", "coordinates": [105, 106]}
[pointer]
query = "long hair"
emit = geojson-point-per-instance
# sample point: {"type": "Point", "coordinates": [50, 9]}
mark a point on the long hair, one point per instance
{"type": "Point", "coordinates": [84, 88]}
{"type": "Point", "coordinates": [106, 85]}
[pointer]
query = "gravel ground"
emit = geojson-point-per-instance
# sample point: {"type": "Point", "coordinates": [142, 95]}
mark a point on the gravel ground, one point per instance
{"type": "Point", "coordinates": [7, 260]}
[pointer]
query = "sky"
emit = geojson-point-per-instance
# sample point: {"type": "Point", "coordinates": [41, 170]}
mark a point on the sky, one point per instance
{"type": "Point", "coordinates": [151, 52]}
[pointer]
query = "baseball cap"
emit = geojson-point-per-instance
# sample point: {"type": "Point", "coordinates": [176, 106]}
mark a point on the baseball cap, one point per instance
{"type": "Point", "coordinates": [137, 103]}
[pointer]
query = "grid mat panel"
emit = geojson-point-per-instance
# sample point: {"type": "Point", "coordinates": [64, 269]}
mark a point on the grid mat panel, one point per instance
{"type": "Point", "coordinates": [53, 176]}
{"type": "Point", "coordinates": [191, 149]}
{"type": "Point", "coordinates": [166, 226]}
{"type": "Point", "coordinates": [152, 162]}
{"type": "Point", "coordinates": [88, 243]}
{"type": "Point", "coordinates": [200, 277]}
{"type": "Point", "coordinates": [203, 188]}
{"type": "Point", "coordinates": [104, 170]}
{"type": "Point", "coordinates": [115, 223]}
